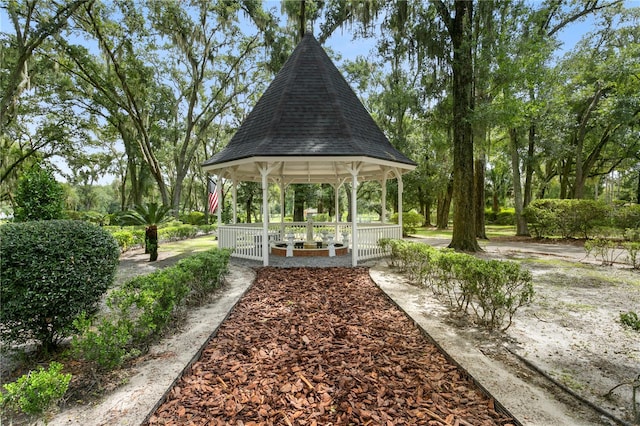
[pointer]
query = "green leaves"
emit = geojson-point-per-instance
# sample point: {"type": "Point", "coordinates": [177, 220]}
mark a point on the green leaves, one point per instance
{"type": "Point", "coordinates": [36, 391]}
{"type": "Point", "coordinates": [149, 214]}
{"type": "Point", "coordinates": [51, 272]}
{"type": "Point", "coordinates": [490, 290]}
{"type": "Point", "coordinates": [145, 306]}
{"type": "Point", "coordinates": [39, 196]}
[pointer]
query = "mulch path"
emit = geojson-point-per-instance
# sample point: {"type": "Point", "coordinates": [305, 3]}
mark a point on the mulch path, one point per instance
{"type": "Point", "coordinates": [322, 346]}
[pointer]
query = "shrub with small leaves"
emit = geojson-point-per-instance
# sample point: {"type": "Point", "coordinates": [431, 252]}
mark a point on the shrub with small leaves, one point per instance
{"type": "Point", "coordinates": [52, 271]}
{"type": "Point", "coordinates": [491, 290]}
{"type": "Point", "coordinates": [602, 249]}
{"type": "Point", "coordinates": [107, 345]}
{"type": "Point", "coordinates": [631, 320]}
{"type": "Point", "coordinates": [411, 220]}
{"type": "Point", "coordinates": [37, 391]}
{"type": "Point", "coordinates": [633, 253]}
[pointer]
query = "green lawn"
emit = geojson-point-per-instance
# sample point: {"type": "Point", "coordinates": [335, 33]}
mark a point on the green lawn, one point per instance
{"type": "Point", "coordinates": [492, 231]}
{"type": "Point", "coordinates": [191, 245]}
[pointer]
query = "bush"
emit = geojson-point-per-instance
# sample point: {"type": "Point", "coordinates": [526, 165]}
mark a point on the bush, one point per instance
{"type": "Point", "coordinates": [627, 217]}
{"type": "Point", "coordinates": [38, 196]}
{"type": "Point", "coordinates": [633, 253]}
{"type": "Point", "coordinates": [177, 232]}
{"type": "Point", "coordinates": [504, 217]}
{"type": "Point", "coordinates": [411, 220]}
{"type": "Point", "coordinates": [569, 218]}
{"type": "Point", "coordinates": [193, 218]}
{"type": "Point", "coordinates": [124, 238]}
{"type": "Point", "coordinates": [52, 271]}
{"type": "Point", "coordinates": [142, 309]}
{"type": "Point", "coordinates": [631, 320]}
{"type": "Point", "coordinates": [603, 249]}
{"type": "Point", "coordinates": [35, 392]}
{"type": "Point", "coordinates": [491, 290]}
{"type": "Point", "coordinates": [106, 345]}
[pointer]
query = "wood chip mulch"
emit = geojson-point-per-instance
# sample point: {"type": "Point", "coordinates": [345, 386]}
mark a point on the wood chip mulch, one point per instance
{"type": "Point", "coordinates": [322, 346]}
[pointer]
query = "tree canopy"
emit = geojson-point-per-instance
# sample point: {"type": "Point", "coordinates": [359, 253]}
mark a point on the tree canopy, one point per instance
{"type": "Point", "coordinates": [481, 94]}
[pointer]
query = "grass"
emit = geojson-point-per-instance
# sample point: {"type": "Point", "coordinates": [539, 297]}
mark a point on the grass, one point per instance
{"type": "Point", "coordinates": [491, 230]}
{"type": "Point", "coordinates": [189, 246]}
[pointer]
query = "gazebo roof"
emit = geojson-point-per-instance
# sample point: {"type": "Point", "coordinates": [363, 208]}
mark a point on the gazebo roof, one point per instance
{"type": "Point", "coordinates": [309, 126]}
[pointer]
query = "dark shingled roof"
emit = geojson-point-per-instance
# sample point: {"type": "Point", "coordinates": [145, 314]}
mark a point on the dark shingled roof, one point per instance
{"type": "Point", "coordinates": [309, 110]}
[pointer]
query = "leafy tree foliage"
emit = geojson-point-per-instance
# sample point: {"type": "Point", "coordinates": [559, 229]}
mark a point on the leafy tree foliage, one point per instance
{"type": "Point", "coordinates": [39, 196]}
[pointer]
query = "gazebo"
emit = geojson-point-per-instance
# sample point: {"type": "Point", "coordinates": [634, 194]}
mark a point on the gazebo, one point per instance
{"type": "Point", "coordinates": [308, 127]}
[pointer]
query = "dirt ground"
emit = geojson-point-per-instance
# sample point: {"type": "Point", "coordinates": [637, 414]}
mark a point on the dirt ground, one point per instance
{"type": "Point", "coordinates": [571, 332]}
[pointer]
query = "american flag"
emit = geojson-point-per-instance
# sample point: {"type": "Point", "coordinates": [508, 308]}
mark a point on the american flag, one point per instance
{"type": "Point", "coordinates": [213, 197]}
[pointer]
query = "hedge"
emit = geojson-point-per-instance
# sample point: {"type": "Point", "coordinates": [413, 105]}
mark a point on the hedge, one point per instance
{"type": "Point", "coordinates": [567, 218]}
{"type": "Point", "coordinates": [52, 271]}
{"type": "Point", "coordinates": [144, 307]}
{"type": "Point", "coordinates": [492, 291]}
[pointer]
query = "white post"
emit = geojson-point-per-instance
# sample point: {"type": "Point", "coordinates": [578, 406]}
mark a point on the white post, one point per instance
{"type": "Point", "coordinates": [400, 189]}
{"type": "Point", "coordinates": [265, 216]}
{"type": "Point", "coordinates": [234, 192]}
{"type": "Point", "coordinates": [265, 169]}
{"type": "Point", "coordinates": [219, 192]}
{"type": "Point", "coordinates": [354, 169]}
{"type": "Point", "coordinates": [336, 196]}
{"type": "Point", "coordinates": [384, 198]}
{"type": "Point", "coordinates": [283, 188]}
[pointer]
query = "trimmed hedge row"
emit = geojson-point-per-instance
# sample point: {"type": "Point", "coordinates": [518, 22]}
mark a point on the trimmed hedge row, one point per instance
{"type": "Point", "coordinates": [578, 218]}
{"type": "Point", "coordinates": [144, 307]}
{"type": "Point", "coordinates": [51, 272]}
{"type": "Point", "coordinates": [491, 290]}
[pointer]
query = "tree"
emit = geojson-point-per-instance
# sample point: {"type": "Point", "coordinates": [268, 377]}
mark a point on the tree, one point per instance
{"type": "Point", "coordinates": [459, 27]}
{"type": "Point", "coordinates": [149, 215]}
{"type": "Point", "coordinates": [34, 22]}
{"type": "Point", "coordinates": [38, 196]}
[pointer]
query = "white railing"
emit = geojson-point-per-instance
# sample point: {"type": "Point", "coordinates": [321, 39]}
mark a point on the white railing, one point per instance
{"type": "Point", "coordinates": [246, 239]}
{"type": "Point", "coordinates": [369, 235]}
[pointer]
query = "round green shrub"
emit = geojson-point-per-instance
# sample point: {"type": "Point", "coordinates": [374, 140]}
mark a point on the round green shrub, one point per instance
{"type": "Point", "coordinates": [411, 220]}
{"type": "Point", "coordinates": [52, 271]}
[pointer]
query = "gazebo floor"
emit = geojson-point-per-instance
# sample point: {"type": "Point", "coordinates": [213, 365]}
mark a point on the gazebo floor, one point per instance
{"type": "Point", "coordinates": [317, 347]}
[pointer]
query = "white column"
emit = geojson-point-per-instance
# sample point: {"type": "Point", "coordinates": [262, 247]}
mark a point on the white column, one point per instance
{"type": "Point", "coordinates": [400, 189]}
{"type": "Point", "coordinates": [283, 188]}
{"type": "Point", "coordinates": [265, 216]}
{"type": "Point", "coordinates": [336, 196]}
{"type": "Point", "coordinates": [219, 192]}
{"type": "Point", "coordinates": [264, 170]}
{"type": "Point", "coordinates": [234, 192]}
{"type": "Point", "coordinates": [354, 169]}
{"type": "Point", "coordinates": [384, 197]}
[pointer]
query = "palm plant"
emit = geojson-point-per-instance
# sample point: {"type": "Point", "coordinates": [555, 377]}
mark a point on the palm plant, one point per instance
{"type": "Point", "coordinates": [149, 215]}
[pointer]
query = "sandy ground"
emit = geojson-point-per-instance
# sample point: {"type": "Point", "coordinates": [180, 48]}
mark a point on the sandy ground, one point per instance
{"type": "Point", "coordinates": [571, 332]}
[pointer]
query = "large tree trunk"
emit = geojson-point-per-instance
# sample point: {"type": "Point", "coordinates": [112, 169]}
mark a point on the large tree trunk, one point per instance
{"type": "Point", "coordinates": [444, 205]}
{"type": "Point", "coordinates": [521, 223]}
{"type": "Point", "coordinates": [460, 29]}
{"type": "Point", "coordinates": [151, 239]}
{"type": "Point", "coordinates": [479, 196]}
